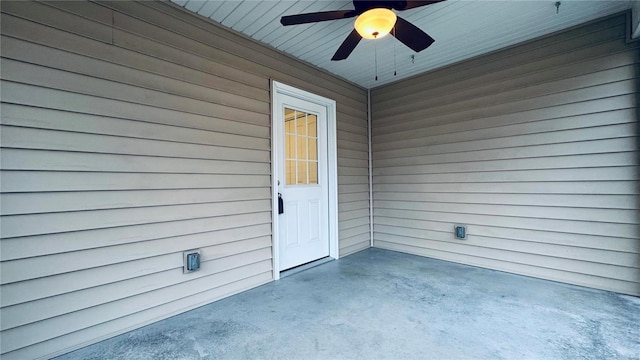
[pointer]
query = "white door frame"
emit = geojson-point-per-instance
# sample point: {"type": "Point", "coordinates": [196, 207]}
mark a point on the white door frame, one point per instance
{"type": "Point", "coordinates": [277, 125]}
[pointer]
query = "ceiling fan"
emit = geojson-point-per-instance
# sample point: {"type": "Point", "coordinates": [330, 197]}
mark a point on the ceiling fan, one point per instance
{"type": "Point", "coordinates": [374, 20]}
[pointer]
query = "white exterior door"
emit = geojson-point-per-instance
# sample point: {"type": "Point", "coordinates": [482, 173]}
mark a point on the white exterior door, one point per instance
{"type": "Point", "coordinates": [302, 182]}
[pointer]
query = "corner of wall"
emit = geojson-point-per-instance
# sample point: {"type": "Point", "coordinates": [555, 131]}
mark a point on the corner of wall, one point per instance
{"type": "Point", "coordinates": [635, 20]}
{"type": "Point", "coordinates": [370, 168]}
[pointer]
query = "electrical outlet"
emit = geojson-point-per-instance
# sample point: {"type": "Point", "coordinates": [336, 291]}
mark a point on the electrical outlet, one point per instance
{"type": "Point", "coordinates": [191, 261]}
{"type": "Point", "coordinates": [460, 231]}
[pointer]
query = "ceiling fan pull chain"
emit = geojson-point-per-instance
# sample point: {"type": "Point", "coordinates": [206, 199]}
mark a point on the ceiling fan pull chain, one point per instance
{"type": "Point", "coordinates": [375, 47]}
{"type": "Point", "coordinates": [395, 67]}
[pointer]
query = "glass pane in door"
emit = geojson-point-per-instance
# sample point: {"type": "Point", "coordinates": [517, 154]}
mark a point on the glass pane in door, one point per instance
{"type": "Point", "coordinates": [300, 147]}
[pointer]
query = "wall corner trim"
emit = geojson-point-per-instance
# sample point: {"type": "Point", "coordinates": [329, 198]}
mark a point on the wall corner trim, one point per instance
{"type": "Point", "coordinates": [370, 166]}
{"type": "Point", "coordinates": [635, 20]}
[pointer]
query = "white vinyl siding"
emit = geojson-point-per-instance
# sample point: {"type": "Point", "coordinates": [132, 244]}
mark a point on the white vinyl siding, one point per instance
{"type": "Point", "coordinates": [132, 132]}
{"type": "Point", "coordinates": [535, 148]}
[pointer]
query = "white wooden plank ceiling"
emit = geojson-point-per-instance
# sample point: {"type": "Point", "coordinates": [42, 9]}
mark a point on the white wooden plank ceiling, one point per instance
{"type": "Point", "coordinates": [462, 29]}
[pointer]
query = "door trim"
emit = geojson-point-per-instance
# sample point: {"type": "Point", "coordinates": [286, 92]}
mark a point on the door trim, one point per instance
{"type": "Point", "coordinates": [278, 89]}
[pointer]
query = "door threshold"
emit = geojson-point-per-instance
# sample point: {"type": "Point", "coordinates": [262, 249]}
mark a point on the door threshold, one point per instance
{"type": "Point", "coordinates": [306, 266]}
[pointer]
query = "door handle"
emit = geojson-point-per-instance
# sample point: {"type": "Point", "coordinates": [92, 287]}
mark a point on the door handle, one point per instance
{"type": "Point", "coordinates": [280, 204]}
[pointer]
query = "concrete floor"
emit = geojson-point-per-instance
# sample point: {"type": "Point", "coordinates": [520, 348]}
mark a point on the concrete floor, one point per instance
{"type": "Point", "coordinates": [379, 304]}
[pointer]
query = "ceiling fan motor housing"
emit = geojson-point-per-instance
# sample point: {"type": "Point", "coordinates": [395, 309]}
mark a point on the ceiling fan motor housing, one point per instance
{"type": "Point", "coordinates": [364, 5]}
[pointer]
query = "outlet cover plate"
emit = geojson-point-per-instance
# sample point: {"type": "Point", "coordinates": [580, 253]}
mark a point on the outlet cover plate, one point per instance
{"type": "Point", "coordinates": [191, 260]}
{"type": "Point", "coordinates": [460, 231]}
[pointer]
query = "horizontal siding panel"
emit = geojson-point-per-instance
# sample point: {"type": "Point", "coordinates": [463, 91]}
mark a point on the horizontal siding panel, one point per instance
{"type": "Point", "coordinates": [576, 97]}
{"type": "Point", "coordinates": [347, 198]}
{"type": "Point", "coordinates": [135, 43]}
{"type": "Point", "coordinates": [560, 142]}
{"type": "Point", "coordinates": [361, 240]}
{"type": "Point", "coordinates": [57, 326]}
{"type": "Point", "coordinates": [519, 60]}
{"type": "Point", "coordinates": [356, 242]}
{"type": "Point", "coordinates": [348, 224]}
{"type": "Point", "coordinates": [348, 233]}
{"type": "Point", "coordinates": [562, 213]}
{"type": "Point", "coordinates": [344, 144]}
{"type": "Point", "coordinates": [194, 69]}
{"type": "Point", "coordinates": [354, 214]}
{"type": "Point", "coordinates": [571, 226]}
{"type": "Point", "coordinates": [13, 270]}
{"type": "Point", "coordinates": [77, 67]}
{"type": "Point", "coordinates": [224, 133]}
{"type": "Point", "coordinates": [353, 171]}
{"type": "Point", "coordinates": [560, 111]}
{"type": "Point", "coordinates": [557, 78]}
{"type": "Point", "coordinates": [25, 138]}
{"type": "Point", "coordinates": [353, 137]}
{"type": "Point", "coordinates": [25, 247]}
{"type": "Point", "coordinates": [86, 9]}
{"type": "Point", "coordinates": [352, 249]}
{"type": "Point", "coordinates": [19, 181]}
{"type": "Point", "coordinates": [445, 137]}
{"type": "Point", "coordinates": [353, 154]}
{"type": "Point", "coordinates": [556, 200]}
{"type": "Point", "coordinates": [539, 236]}
{"type": "Point", "coordinates": [564, 151]}
{"type": "Point", "coordinates": [350, 128]}
{"type": "Point", "coordinates": [42, 14]}
{"type": "Point", "coordinates": [53, 202]}
{"type": "Point", "coordinates": [23, 94]}
{"type": "Point", "coordinates": [357, 121]}
{"type": "Point", "coordinates": [350, 189]}
{"type": "Point", "coordinates": [40, 288]}
{"type": "Point", "coordinates": [508, 174]}
{"type": "Point", "coordinates": [348, 206]}
{"type": "Point", "coordinates": [595, 58]}
{"type": "Point", "coordinates": [574, 187]}
{"type": "Point", "coordinates": [149, 315]}
{"type": "Point", "coordinates": [352, 180]}
{"type": "Point", "coordinates": [524, 98]}
{"type": "Point", "coordinates": [185, 84]}
{"type": "Point", "coordinates": [87, 85]}
{"type": "Point", "coordinates": [355, 163]}
{"type": "Point", "coordinates": [626, 259]}
{"type": "Point", "coordinates": [33, 311]}
{"type": "Point", "coordinates": [91, 162]}
{"type": "Point", "coordinates": [36, 224]}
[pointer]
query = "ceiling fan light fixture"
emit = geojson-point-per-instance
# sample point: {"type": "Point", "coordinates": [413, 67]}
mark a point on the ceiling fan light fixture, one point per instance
{"type": "Point", "coordinates": [375, 23]}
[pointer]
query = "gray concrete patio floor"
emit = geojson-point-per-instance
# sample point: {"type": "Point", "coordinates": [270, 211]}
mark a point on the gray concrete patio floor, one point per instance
{"type": "Point", "coordinates": [380, 304]}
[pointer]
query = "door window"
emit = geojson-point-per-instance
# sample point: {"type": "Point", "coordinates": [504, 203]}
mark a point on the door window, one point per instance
{"type": "Point", "coordinates": [300, 147]}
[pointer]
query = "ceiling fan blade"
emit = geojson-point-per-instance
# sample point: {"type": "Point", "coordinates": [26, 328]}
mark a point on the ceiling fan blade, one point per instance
{"type": "Point", "coordinates": [411, 35]}
{"type": "Point", "coordinates": [347, 46]}
{"type": "Point", "coordinates": [317, 17]}
{"type": "Point", "coordinates": [405, 5]}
